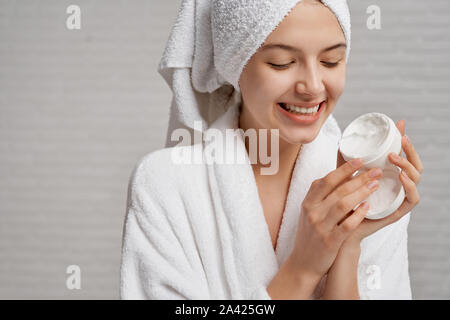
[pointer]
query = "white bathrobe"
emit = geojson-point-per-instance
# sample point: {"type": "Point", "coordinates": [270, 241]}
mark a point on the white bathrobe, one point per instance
{"type": "Point", "coordinates": [198, 231]}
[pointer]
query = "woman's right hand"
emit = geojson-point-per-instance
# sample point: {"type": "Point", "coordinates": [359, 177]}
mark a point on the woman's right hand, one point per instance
{"type": "Point", "coordinates": [327, 216]}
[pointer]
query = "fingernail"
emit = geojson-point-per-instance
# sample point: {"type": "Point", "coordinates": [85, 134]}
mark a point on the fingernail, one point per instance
{"type": "Point", "coordinates": [375, 173]}
{"type": "Point", "coordinates": [365, 205]}
{"type": "Point", "coordinates": [395, 156]}
{"type": "Point", "coordinates": [372, 185]}
{"type": "Point", "coordinates": [356, 162]}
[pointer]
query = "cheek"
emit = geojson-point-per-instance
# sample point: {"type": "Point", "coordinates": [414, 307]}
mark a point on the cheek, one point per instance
{"type": "Point", "coordinates": [260, 86]}
{"type": "Point", "coordinates": [335, 85]}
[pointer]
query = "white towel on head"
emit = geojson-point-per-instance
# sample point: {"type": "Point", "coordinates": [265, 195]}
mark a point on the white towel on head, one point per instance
{"type": "Point", "coordinates": [209, 45]}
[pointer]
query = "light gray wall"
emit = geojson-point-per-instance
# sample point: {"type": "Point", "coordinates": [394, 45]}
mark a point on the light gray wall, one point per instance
{"type": "Point", "coordinates": [403, 70]}
{"type": "Point", "coordinates": [79, 108]}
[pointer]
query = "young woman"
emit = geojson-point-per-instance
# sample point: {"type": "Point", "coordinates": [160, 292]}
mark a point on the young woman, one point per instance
{"type": "Point", "coordinates": [226, 231]}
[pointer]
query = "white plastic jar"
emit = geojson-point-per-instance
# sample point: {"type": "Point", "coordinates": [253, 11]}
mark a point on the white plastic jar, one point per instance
{"type": "Point", "coordinates": [371, 137]}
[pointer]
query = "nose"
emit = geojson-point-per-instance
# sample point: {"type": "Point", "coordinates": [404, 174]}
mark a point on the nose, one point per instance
{"type": "Point", "coordinates": [310, 82]}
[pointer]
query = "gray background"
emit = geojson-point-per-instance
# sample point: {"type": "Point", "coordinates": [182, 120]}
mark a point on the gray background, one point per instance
{"type": "Point", "coordinates": [79, 108]}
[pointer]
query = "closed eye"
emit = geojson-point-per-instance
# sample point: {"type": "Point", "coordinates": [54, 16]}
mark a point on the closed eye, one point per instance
{"type": "Point", "coordinates": [330, 64]}
{"type": "Point", "coordinates": [284, 66]}
{"type": "Point", "coordinates": [280, 66]}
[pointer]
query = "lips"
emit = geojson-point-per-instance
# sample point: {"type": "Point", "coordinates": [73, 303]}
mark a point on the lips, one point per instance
{"type": "Point", "coordinates": [283, 105]}
{"type": "Point", "coordinates": [303, 105]}
{"type": "Point", "coordinates": [304, 119]}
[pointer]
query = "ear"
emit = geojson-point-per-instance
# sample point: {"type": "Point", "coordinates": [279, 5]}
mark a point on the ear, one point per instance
{"type": "Point", "coordinates": [401, 126]}
{"type": "Point", "coordinates": [340, 159]}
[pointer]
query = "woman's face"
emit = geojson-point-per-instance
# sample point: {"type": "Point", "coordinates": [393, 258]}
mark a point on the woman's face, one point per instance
{"type": "Point", "coordinates": [303, 76]}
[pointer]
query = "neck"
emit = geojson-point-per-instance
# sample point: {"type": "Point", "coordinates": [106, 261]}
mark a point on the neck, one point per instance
{"type": "Point", "coordinates": [287, 152]}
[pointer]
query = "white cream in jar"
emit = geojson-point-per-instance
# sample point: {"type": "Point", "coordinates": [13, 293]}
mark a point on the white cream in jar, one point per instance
{"type": "Point", "coordinates": [372, 137]}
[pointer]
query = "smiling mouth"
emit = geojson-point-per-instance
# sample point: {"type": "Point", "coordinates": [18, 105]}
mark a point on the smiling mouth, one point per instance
{"type": "Point", "coordinates": [300, 110]}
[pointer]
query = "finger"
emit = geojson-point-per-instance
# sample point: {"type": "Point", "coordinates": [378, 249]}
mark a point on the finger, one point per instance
{"type": "Point", "coordinates": [346, 216]}
{"type": "Point", "coordinates": [350, 223]}
{"type": "Point", "coordinates": [347, 203]}
{"type": "Point", "coordinates": [352, 185]}
{"type": "Point", "coordinates": [322, 187]}
{"type": "Point", "coordinates": [408, 148]}
{"type": "Point", "coordinates": [401, 126]}
{"type": "Point", "coordinates": [340, 159]}
{"type": "Point", "coordinates": [412, 198]}
{"type": "Point", "coordinates": [406, 166]}
{"type": "Point", "coordinates": [411, 154]}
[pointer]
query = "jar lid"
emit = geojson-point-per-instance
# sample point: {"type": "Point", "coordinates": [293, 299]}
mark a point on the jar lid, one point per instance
{"type": "Point", "coordinates": [388, 197]}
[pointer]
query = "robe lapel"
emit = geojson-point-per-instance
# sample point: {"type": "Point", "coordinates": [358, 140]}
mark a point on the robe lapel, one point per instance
{"type": "Point", "coordinates": [314, 161]}
{"type": "Point", "coordinates": [245, 238]}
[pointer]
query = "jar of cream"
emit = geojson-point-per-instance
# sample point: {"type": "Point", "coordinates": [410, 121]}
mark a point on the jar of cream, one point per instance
{"type": "Point", "coordinates": [372, 137]}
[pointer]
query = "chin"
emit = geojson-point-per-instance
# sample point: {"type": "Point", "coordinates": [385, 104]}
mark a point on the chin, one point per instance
{"type": "Point", "coordinates": [301, 137]}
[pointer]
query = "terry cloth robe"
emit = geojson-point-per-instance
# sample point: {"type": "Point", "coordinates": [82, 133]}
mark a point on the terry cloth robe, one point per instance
{"type": "Point", "coordinates": [198, 231]}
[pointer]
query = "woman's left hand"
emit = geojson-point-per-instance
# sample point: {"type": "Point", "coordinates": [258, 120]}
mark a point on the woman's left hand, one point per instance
{"type": "Point", "coordinates": [342, 277]}
{"type": "Point", "coordinates": [410, 176]}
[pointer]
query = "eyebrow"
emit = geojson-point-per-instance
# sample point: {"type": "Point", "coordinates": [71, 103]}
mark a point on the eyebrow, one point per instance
{"type": "Point", "coordinates": [289, 48]}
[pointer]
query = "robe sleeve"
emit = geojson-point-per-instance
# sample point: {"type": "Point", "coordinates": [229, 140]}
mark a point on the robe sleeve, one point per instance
{"type": "Point", "coordinates": [383, 267]}
{"type": "Point", "coordinates": [154, 263]}
{"type": "Point", "coordinates": [258, 293]}
{"type": "Point", "coordinates": [160, 259]}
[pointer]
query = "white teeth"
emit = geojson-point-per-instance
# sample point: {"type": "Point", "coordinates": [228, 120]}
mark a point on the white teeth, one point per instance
{"type": "Point", "coordinates": [302, 110]}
